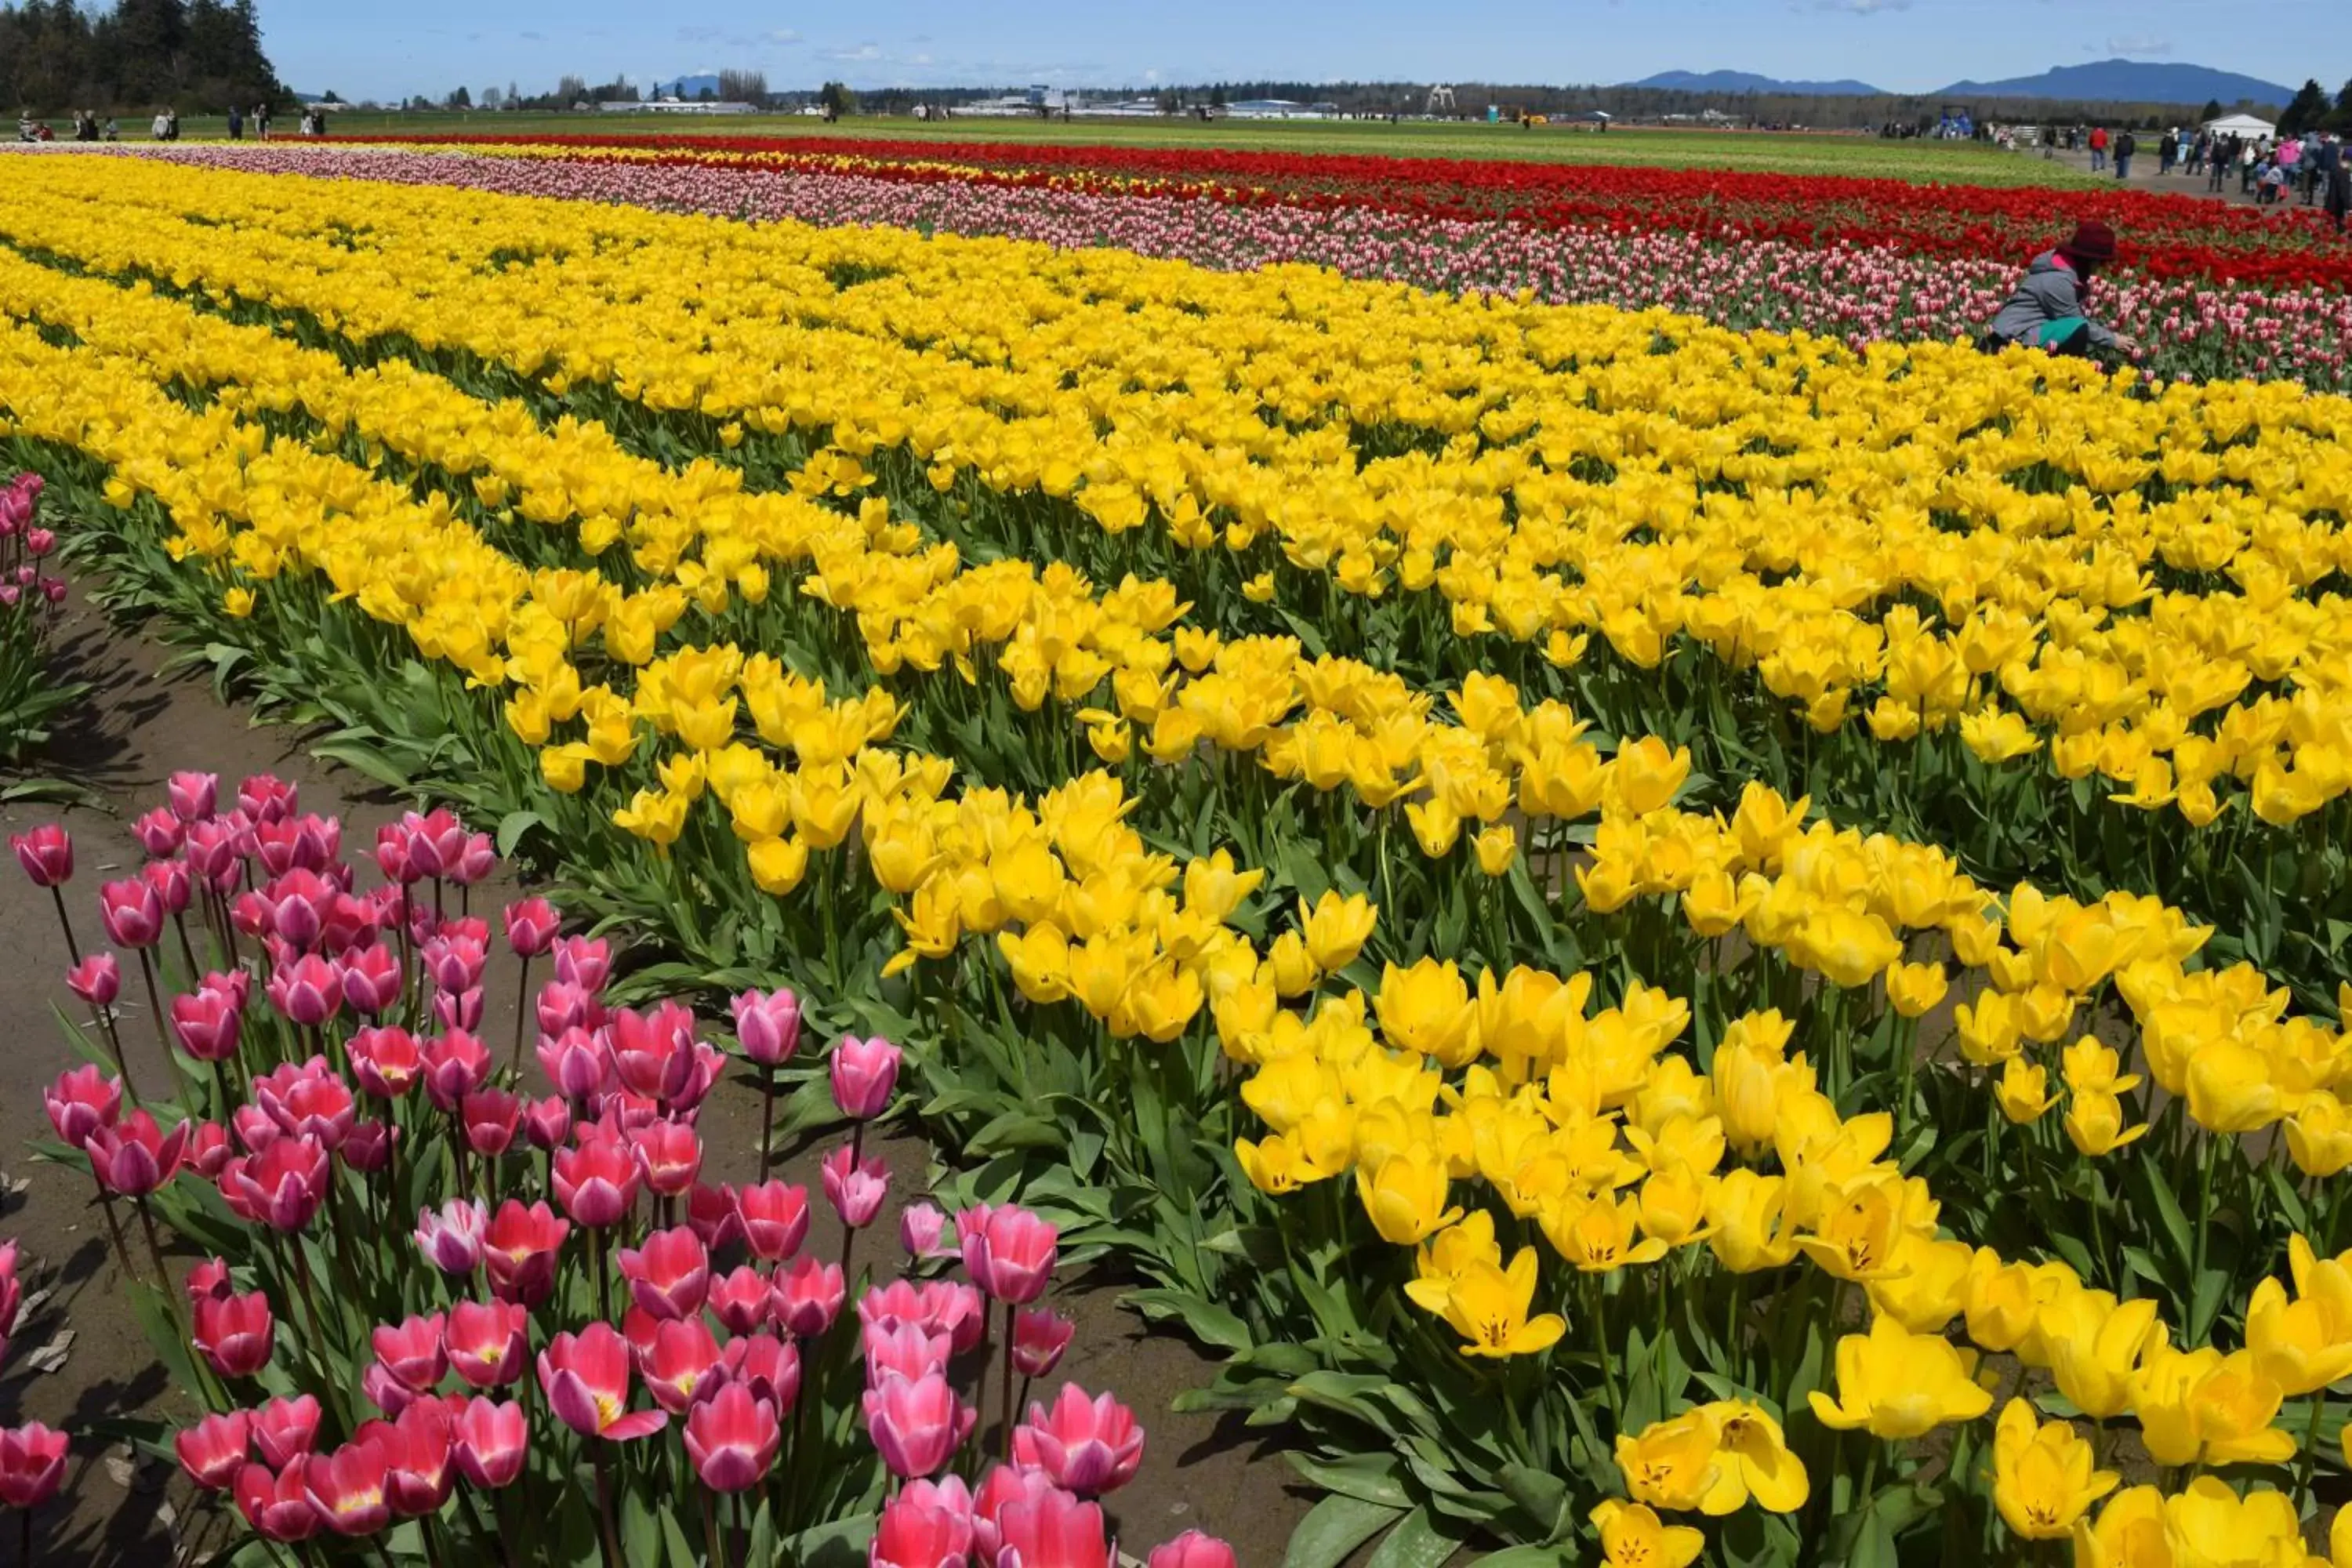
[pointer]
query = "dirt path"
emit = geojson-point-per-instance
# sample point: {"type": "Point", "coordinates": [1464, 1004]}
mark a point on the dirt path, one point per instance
{"type": "Point", "coordinates": [139, 725]}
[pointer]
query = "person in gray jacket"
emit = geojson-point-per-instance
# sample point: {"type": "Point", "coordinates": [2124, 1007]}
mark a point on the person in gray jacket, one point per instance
{"type": "Point", "coordinates": [2047, 309]}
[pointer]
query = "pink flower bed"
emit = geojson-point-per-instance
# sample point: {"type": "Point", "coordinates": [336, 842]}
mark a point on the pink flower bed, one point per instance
{"type": "Point", "coordinates": [1858, 294]}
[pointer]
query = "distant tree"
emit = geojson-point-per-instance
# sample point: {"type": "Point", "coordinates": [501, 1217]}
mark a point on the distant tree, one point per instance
{"type": "Point", "coordinates": [744, 87]}
{"type": "Point", "coordinates": [2309, 108]}
{"type": "Point", "coordinates": [620, 89]}
{"type": "Point", "coordinates": [2213, 111]}
{"type": "Point", "coordinates": [837, 99]}
{"type": "Point", "coordinates": [571, 90]}
{"type": "Point", "coordinates": [2341, 121]}
{"type": "Point", "coordinates": [1170, 103]}
{"type": "Point", "coordinates": [491, 98]}
{"type": "Point", "coordinates": [330, 96]}
{"type": "Point", "coordinates": [460, 99]}
{"type": "Point", "coordinates": [1217, 96]}
{"type": "Point", "coordinates": [514, 96]}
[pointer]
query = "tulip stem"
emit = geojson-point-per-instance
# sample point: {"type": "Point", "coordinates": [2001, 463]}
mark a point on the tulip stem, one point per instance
{"type": "Point", "coordinates": [605, 1501]}
{"type": "Point", "coordinates": [113, 1222]}
{"type": "Point", "coordinates": [154, 1006]}
{"type": "Point", "coordinates": [604, 1281]}
{"type": "Point", "coordinates": [187, 948]}
{"type": "Point", "coordinates": [65, 921]}
{"type": "Point", "coordinates": [522, 1009]}
{"type": "Point", "coordinates": [715, 1539]}
{"type": "Point", "coordinates": [1008, 1383]}
{"type": "Point", "coordinates": [2309, 1458]}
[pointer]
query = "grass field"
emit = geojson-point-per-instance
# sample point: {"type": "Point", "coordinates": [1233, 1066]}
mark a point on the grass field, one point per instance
{"type": "Point", "coordinates": [1794, 152]}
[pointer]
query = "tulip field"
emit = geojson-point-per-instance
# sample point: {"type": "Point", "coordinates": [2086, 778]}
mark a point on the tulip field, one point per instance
{"type": "Point", "coordinates": [1678, 919]}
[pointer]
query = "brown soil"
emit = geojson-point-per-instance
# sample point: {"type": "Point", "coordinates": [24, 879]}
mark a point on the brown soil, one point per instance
{"type": "Point", "coordinates": [141, 723]}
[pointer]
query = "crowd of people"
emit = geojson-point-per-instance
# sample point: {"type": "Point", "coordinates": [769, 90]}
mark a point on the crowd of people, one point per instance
{"type": "Point", "coordinates": [88, 126]}
{"type": "Point", "coordinates": [2313, 169]}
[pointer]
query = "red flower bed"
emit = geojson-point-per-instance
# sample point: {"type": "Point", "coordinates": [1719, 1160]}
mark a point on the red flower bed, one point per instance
{"type": "Point", "coordinates": [2164, 236]}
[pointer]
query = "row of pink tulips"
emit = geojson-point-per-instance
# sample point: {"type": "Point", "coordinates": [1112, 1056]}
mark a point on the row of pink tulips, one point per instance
{"type": "Point", "coordinates": [360, 1382]}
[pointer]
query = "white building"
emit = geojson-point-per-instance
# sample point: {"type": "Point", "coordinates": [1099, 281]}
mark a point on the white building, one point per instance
{"type": "Point", "coordinates": [1281, 109]}
{"type": "Point", "coordinates": [2245, 125]}
{"type": "Point", "coordinates": [675, 106]}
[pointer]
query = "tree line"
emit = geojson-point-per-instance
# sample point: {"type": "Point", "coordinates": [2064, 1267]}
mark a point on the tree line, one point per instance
{"type": "Point", "coordinates": [55, 57]}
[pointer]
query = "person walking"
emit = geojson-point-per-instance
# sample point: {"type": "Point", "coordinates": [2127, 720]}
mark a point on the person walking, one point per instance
{"type": "Point", "coordinates": [2313, 179]}
{"type": "Point", "coordinates": [2225, 152]}
{"type": "Point", "coordinates": [2167, 148]}
{"type": "Point", "coordinates": [2335, 166]}
{"type": "Point", "coordinates": [2098, 148]}
{"type": "Point", "coordinates": [2126, 145]}
{"type": "Point", "coordinates": [236, 123]}
{"type": "Point", "coordinates": [162, 130]}
{"type": "Point", "coordinates": [261, 121]}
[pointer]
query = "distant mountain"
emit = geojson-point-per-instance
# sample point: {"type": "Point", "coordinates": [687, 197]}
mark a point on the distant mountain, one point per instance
{"type": "Point", "coordinates": [1748, 81]}
{"type": "Point", "coordinates": [2129, 81]}
{"type": "Point", "coordinates": [685, 87]}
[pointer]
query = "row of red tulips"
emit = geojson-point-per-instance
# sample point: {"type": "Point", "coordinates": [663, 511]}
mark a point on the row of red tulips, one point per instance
{"type": "Point", "coordinates": [2164, 236]}
{"type": "Point", "coordinates": [366, 1386]}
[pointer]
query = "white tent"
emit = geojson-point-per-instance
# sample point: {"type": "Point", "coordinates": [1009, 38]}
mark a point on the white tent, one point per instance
{"type": "Point", "coordinates": [2240, 125]}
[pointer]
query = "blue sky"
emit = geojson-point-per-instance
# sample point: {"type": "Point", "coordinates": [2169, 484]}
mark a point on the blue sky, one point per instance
{"type": "Point", "coordinates": [367, 48]}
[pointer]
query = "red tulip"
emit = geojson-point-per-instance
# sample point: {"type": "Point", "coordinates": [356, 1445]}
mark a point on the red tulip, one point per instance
{"type": "Point", "coordinates": [207, 1024]}
{"type": "Point", "coordinates": [435, 841]}
{"type": "Point", "coordinates": [927, 1525]}
{"type": "Point", "coordinates": [678, 1358]}
{"type": "Point", "coordinates": [519, 1251]}
{"type": "Point", "coordinates": [82, 1101]}
{"type": "Point", "coordinates": [456, 1064]}
{"type": "Point", "coordinates": [768, 1024]}
{"type": "Point", "coordinates": [284, 1429]}
{"type": "Point", "coordinates": [97, 979]}
{"type": "Point", "coordinates": [411, 1350]}
{"type": "Point", "coordinates": [856, 1187]}
{"type": "Point", "coordinates": [282, 1186]}
{"type": "Point", "coordinates": [586, 1379]}
{"type": "Point", "coordinates": [418, 1453]}
{"type": "Point", "coordinates": [159, 832]}
{"type": "Point", "coordinates": [584, 962]}
{"type": "Point", "coordinates": [733, 1438]}
{"type": "Point", "coordinates": [492, 1118]}
{"type": "Point", "coordinates": [306, 843]}
{"type": "Point", "coordinates": [476, 861]}
{"type": "Point", "coordinates": [214, 1450]}
{"type": "Point", "coordinates": [45, 854]}
{"type": "Point", "coordinates": [493, 1440]}
{"type": "Point", "coordinates": [711, 1212]}
{"type": "Point", "coordinates": [132, 913]}
{"type": "Point", "coordinates": [808, 1297]}
{"type": "Point", "coordinates": [865, 1073]}
{"type": "Point", "coordinates": [1052, 1529]}
{"type": "Point", "coordinates": [915, 1423]}
{"type": "Point", "coordinates": [370, 978]}
{"type": "Point", "coordinates": [574, 1061]}
{"type": "Point", "coordinates": [596, 1181]}
{"type": "Point", "coordinates": [742, 1300]}
{"type": "Point", "coordinates": [937, 1307]}
{"type": "Point", "coordinates": [1087, 1446]}
{"type": "Point", "coordinates": [486, 1342]}
{"type": "Point", "coordinates": [235, 1333]}
{"type": "Point", "coordinates": [277, 1506]}
{"type": "Point", "coordinates": [774, 1217]}
{"type": "Point", "coordinates": [193, 795]}
{"type": "Point", "coordinates": [770, 1366]}
{"type": "Point", "coordinates": [1008, 1251]}
{"type": "Point", "coordinates": [654, 1052]}
{"type": "Point", "coordinates": [209, 1278]}
{"type": "Point", "coordinates": [1039, 1338]}
{"type": "Point", "coordinates": [531, 925]}
{"type": "Point", "coordinates": [1192, 1550]}
{"type": "Point", "coordinates": [392, 854]}
{"type": "Point", "coordinates": [133, 1156]}
{"type": "Point", "coordinates": [386, 1061]}
{"type": "Point", "coordinates": [351, 1487]}
{"type": "Point", "coordinates": [669, 1153]}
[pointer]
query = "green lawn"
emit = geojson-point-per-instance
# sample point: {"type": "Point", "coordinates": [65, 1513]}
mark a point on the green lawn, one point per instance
{"type": "Point", "coordinates": [1798, 153]}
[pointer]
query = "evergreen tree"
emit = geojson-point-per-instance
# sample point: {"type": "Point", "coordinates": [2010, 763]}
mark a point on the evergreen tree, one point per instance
{"type": "Point", "coordinates": [2213, 111]}
{"type": "Point", "coordinates": [2341, 121]}
{"type": "Point", "coordinates": [2310, 107]}
{"type": "Point", "coordinates": [55, 57]}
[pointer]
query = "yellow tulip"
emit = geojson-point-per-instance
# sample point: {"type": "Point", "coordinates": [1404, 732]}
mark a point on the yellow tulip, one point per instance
{"type": "Point", "coordinates": [1912, 990]}
{"type": "Point", "coordinates": [2094, 1345]}
{"type": "Point", "coordinates": [1671, 1464]}
{"type": "Point", "coordinates": [2046, 1477]}
{"type": "Point", "coordinates": [2094, 1123]}
{"type": "Point", "coordinates": [1928, 1287]}
{"type": "Point", "coordinates": [1426, 1008]}
{"type": "Point", "coordinates": [1405, 1196]}
{"type": "Point", "coordinates": [2024, 1091]}
{"type": "Point", "coordinates": [1900, 1385]}
{"type": "Point", "coordinates": [1752, 1462]}
{"type": "Point", "coordinates": [2208, 1525]}
{"type": "Point", "coordinates": [1489, 1308]}
{"type": "Point", "coordinates": [1632, 1537]}
{"type": "Point", "coordinates": [1596, 1232]}
{"type": "Point", "coordinates": [1748, 1231]}
{"type": "Point", "coordinates": [1336, 929]}
{"type": "Point", "coordinates": [2201, 1408]}
{"type": "Point", "coordinates": [2319, 1136]}
{"type": "Point", "coordinates": [2302, 1345]}
{"type": "Point", "coordinates": [1496, 847]}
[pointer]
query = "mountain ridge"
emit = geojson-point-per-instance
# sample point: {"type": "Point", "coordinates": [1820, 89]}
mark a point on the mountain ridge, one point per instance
{"type": "Point", "coordinates": [1748, 81]}
{"type": "Point", "coordinates": [2132, 81]}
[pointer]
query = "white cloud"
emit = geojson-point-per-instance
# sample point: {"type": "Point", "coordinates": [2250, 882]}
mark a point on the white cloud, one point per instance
{"type": "Point", "coordinates": [2142, 44]}
{"type": "Point", "coordinates": [783, 36]}
{"type": "Point", "coordinates": [1862, 7]}
{"type": "Point", "coordinates": [862, 52]}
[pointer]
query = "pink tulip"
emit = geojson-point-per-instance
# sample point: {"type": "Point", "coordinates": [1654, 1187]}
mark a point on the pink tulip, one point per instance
{"type": "Point", "coordinates": [669, 1154]}
{"type": "Point", "coordinates": [133, 1156]}
{"type": "Point", "coordinates": [350, 1488]}
{"type": "Point", "coordinates": [768, 1024]}
{"type": "Point", "coordinates": [235, 1333]}
{"type": "Point", "coordinates": [670, 1275]}
{"type": "Point", "coordinates": [207, 1024]}
{"type": "Point", "coordinates": [45, 854]}
{"type": "Point", "coordinates": [370, 977]}
{"type": "Point", "coordinates": [741, 1299]}
{"type": "Point", "coordinates": [493, 1438]}
{"type": "Point", "coordinates": [855, 1187]}
{"type": "Point", "coordinates": [1008, 1250]}
{"type": "Point", "coordinates": [927, 1525]}
{"type": "Point", "coordinates": [519, 1252]}
{"type": "Point", "coordinates": [585, 1377]}
{"type": "Point", "coordinates": [1052, 1529]}
{"type": "Point", "coordinates": [679, 1358]}
{"type": "Point", "coordinates": [1192, 1550]}
{"type": "Point", "coordinates": [456, 1064]}
{"type": "Point", "coordinates": [865, 1074]}
{"type": "Point", "coordinates": [387, 1062]}
{"type": "Point", "coordinates": [82, 1101]}
{"type": "Point", "coordinates": [596, 1180]}
{"type": "Point", "coordinates": [132, 913]}
{"type": "Point", "coordinates": [531, 925]}
{"type": "Point", "coordinates": [1039, 1338]}
{"type": "Point", "coordinates": [732, 1439]}
{"type": "Point", "coordinates": [282, 1186]}
{"type": "Point", "coordinates": [808, 1296]}
{"type": "Point", "coordinates": [486, 1342]}
{"type": "Point", "coordinates": [774, 1216]}
{"type": "Point", "coordinates": [1086, 1446]}
{"type": "Point", "coordinates": [193, 797]}
{"type": "Point", "coordinates": [277, 1504]}
{"type": "Point", "coordinates": [411, 1350]}
{"type": "Point", "coordinates": [915, 1425]}
{"type": "Point", "coordinates": [97, 979]}
{"type": "Point", "coordinates": [159, 833]}
{"type": "Point", "coordinates": [284, 1429]}
{"type": "Point", "coordinates": [214, 1449]}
